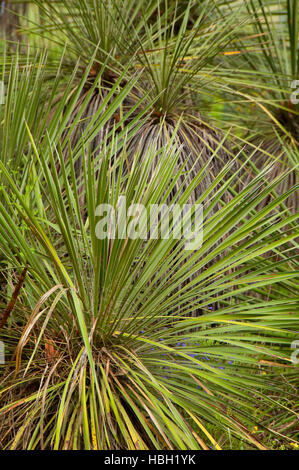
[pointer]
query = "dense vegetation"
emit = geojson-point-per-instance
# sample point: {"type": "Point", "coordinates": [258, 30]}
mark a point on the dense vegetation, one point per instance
{"type": "Point", "coordinates": [138, 343]}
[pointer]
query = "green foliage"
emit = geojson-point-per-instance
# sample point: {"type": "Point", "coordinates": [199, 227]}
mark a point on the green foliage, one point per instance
{"type": "Point", "coordinates": [138, 343]}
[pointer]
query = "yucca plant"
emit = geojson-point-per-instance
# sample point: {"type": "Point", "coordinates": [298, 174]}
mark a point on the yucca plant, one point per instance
{"type": "Point", "coordinates": [26, 82]}
{"type": "Point", "coordinates": [177, 57]}
{"type": "Point", "coordinates": [35, 95]}
{"type": "Point", "coordinates": [101, 351]}
{"type": "Point", "coordinates": [282, 60]}
{"type": "Point", "coordinates": [175, 51]}
{"type": "Point", "coordinates": [167, 45]}
{"type": "Point", "coordinates": [280, 28]}
{"type": "Point", "coordinates": [157, 39]}
{"type": "Point", "coordinates": [105, 31]}
{"type": "Point", "coordinates": [24, 94]}
{"type": "Point", "coordinates": [268, 113]}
